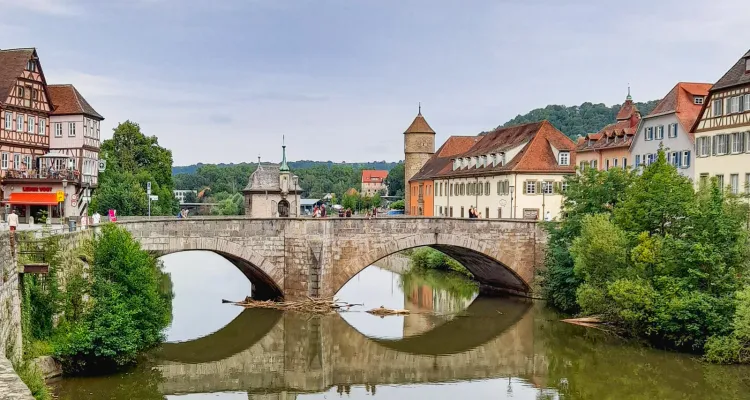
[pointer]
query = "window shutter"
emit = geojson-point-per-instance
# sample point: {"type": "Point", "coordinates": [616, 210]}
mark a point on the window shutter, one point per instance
{"type": "Point", "coordinates": [525, 187]}
{"type": "Point", "coordinates": [558, 187]}
{"type": "Point", "coordinates": [713, 144]}
{"type": "Point", "coordinates": [538, 187]}
{"type": "Point", "coordinates": [687, 159]}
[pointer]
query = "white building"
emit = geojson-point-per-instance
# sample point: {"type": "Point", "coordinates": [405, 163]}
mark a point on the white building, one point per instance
{"type": "Point", "coordinates": [669, 125]}
{"type": "Point", "coordinates": [181, 194]}
{"type": "Point", "coordinates": [514, 172]}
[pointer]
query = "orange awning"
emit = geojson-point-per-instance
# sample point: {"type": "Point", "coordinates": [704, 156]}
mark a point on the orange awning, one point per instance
{"type": "Point", "coordinates": [36, 199]}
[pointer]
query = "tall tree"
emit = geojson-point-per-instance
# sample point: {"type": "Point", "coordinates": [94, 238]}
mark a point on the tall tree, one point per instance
{"type": "Point", "coordinates": [134, 157]}
{"type": "Point", "coordinates": [395, 180]}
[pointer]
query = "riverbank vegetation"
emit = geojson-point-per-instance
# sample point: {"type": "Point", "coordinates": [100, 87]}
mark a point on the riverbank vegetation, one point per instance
{"type": "Point", "coordinates": [102, 304]}
{"type": "Point", "coordinates": [653, 257]}
{"type": "Point", "coordinates": [426, 258]}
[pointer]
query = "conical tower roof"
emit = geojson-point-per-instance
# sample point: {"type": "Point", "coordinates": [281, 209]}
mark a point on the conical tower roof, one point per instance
{"type": "Point", "coordinates": [419, 125]}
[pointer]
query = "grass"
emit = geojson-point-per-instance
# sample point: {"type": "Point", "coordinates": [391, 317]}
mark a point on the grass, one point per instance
{"type": "Point", "coordinates": [33, 378]}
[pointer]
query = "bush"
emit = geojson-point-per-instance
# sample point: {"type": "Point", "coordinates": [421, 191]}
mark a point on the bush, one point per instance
{"type": "Point", "coordinates": [34, 380]}
{"type": "Point", "coordinates": [128, 314]}
{"type": "Point", "coordinates": [398, 205]}
{"type": "Point", "coordinates": [430, 259]}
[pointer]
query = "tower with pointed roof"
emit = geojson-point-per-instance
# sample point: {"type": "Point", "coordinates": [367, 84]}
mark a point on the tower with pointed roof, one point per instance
{"type": "Point", "coordinates": [419, 146]}
{"type": "Point", "coordinates": [272, 190]}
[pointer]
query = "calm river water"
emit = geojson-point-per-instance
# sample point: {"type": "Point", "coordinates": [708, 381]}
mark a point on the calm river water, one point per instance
{"type": "Point", "coordinates": [453, 345]}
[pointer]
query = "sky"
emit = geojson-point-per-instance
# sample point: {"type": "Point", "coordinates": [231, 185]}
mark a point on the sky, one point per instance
{"type": "Point", "coordinates": [224, 80]}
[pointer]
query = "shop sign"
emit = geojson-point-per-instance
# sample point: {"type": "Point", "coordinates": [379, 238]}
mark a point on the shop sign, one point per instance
{"type": "Point", "coordinates": [36, 189]}
{"type": "Point", "coordinates": [60, 196]}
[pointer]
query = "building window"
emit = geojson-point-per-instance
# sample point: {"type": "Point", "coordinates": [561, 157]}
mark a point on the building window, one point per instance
{"type": "Point", "coordinates": [499, 212]}
{"type": "Point", "coordinates": [704, 146]}
{"type": "Point", "coordinates": [660, 132]}
{"type": "Point", "coordinates": [8, 120]}
{"type": "Point", "coordinates": [30, 124]}
{"type": "Point", "coordinates": [734, 104]}
{"type": "Point", "coordinates": [564, 186]}
{"type": "Point", "coordinates": [650, 133]}
{"type": "Point", "coordinates": [746, 107]}
{"type": "Point", "coordinates": [673, 158]}
{"type": "Point", "coordinates": [624, 162]}
{"type": "Point", "coordinates": [27, 162]}
{"type": "Point", "coordinates": [698, 99]}
{"type": "Point", "coordinates": [42, 126]}
{"type": "Point", "coordinates": [16, 161]}
{"type": "Point", "coordinates": [672, 131]}
{"type": "Point", "coordinates": [480, 192]}
{"type": "Point", "coordinates": [548, 187]}
{"type": "Point", "coordinates": [738, 142]}
{"type": "Point", "coordinates": [722, 144]}
{"type": "Point", "coordinates": [650, 159]}
{"type": "Point", "coordinates": [564, 158]}
{"type": "Point", "coordinates": [487, 188]}
{"type": "Point", "coordinates": [720, 181]}
{"type": "Point", "coordinates": [716, 107]}
{"type": "Point", "coordinates": [606, 164]}
{"type": "Point", "coordinates": [530, 187]}
{"type": "Point", "coordinates": [20, 92]}
{"type": "Point", "coordinates": [19, 123]}
{"type": "Point", "coordinates": [462, 211]}
{"type": "Point", "coordinates": [703, 179]}
{"type": "Point", "coordinates": [685, 159]}
{"type": "Point", "coordinates": [4, 161]}
{"type": "Point", "coordinates": [58, 129]}
{"type": "Point", "coordinates": [71, 129]}
{"type": "Point", "coordinates": [637, 160]}
{"type": "Point", "coordinates": [614, 162]}
{"type": "Point", "coordinates": [734, 182]}
{"type": "Point", "coordinates": [594, 164]}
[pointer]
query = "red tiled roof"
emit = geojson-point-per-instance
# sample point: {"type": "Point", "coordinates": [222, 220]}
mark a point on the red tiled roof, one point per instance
{"type": "Point", "coordinates": [442, 158]}
{"type": "Point", "coordinates": [67, 100]}
{"type": "Point", "coordinates": [615, 135]}
{"type": "Point", "coordinates": [627, 110]}
{"type": "Point", "coordinates": [536, 154]}
{"type": "Point", "coordinates": [12, 64]}
{"type": "Point", "coordinates": [680, 100]}
{"type": "Point", "coordinates": [419, 125]}
{"type": "Point", "coordinates": [372, 175]}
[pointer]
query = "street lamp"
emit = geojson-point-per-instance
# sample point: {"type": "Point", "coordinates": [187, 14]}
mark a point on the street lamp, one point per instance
{"type": "Point", "coordinates": [512, 209]}
{"type": "Point", "coordinates": [65, 195]}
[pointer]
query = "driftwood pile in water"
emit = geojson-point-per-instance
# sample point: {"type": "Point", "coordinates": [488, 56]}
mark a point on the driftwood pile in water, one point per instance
{"type": "Point", "coordinates": [382, 311]}
{"type": "Point", "coordinates": [323, 305]}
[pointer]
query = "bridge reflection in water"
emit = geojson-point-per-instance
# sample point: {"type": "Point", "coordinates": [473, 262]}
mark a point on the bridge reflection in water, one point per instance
{"type": "Point", "coordinates": [297, 353]}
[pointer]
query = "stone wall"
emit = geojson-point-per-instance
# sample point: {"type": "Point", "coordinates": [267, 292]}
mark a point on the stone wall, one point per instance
{"type": "Point", "coordinates": [10, 302]}
{"type": "Point", "coordinates": [11, 346]}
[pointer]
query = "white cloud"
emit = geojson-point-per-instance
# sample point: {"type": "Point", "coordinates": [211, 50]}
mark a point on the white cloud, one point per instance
{"type": "Point", "coordinates": [53, 7]}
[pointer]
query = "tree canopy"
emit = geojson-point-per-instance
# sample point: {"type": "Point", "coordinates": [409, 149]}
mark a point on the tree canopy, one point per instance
{"type": "Point", "coordinates": [133, 159]}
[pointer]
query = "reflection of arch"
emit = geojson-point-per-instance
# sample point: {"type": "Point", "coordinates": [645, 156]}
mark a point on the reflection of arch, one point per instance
{"type": "Point", "coordinates": [480, 258]}
{"type": "Point", "coordinates": [482, 321]}
{"type": "Point", "coordinates": [242, 333]}
{"type": "Point", "coordinates": [259, 270]}
{"type": "Point", "coordinates": [283, 208]}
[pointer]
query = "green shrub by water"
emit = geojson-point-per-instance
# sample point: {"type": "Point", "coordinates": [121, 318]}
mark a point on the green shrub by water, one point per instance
{"type": "Point", "coordinates": [426, 258]}
{"type": "Point", "coordinates": [34, 380]}
{"type": "Point", "coordinates": [649, 254]}
{"type": "Point", "coordinates": [128, 312]}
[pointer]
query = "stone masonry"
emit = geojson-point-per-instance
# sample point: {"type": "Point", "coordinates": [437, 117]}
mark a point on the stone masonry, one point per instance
{"type": "Point", "coordinates": [298, 257]}
{"type": "Point", "coordinates": [11, 387]}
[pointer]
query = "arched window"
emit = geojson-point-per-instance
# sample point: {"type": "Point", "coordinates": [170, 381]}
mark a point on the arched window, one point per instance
{"type": "Point", "coordinates": [284, 208]}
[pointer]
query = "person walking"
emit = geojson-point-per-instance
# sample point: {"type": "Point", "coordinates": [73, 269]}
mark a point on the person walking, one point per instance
{"type": "Point", "coordinates": [96, 218]}
{"type": "Point", "coordinates": [13, 221]}
{"type": "Point", "coordinates": [548, 216]}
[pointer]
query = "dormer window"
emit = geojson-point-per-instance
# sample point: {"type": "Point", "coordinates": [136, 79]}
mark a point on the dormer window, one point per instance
{"type": "Point", "coordinates": [698, 99]}
{"type": "Point", "coordinates": [31, 65]}
{"type": "Point", "coordinates": [466, 162]}
{"type": "Point", "coordinates": [455, 164]}
{"type": "Point", "coordinates": [474, 162]}
{"type": "Point", "coordinates": [564, 158]}
{"type": "Point", "coordinates": [747, 65]}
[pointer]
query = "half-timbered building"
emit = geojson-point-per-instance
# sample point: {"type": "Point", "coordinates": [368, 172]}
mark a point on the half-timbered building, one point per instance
{"type": "Point", "coordinates": [722, 133]}
{"type": "Point", "coordinates": [24, 132]}
{"type": "Point", "coordinates": [75, 133]}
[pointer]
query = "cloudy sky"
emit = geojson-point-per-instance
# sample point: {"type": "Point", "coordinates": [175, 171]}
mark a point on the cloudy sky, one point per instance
{"type": "Point", "coordinates": [223, 80]}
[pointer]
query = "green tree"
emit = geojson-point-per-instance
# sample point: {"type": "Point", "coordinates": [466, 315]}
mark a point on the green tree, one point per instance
{"type": "Point", "coordinates": [376, 200]}
{"type": "Point", "coordinates": [133, 157]}
{"type": "Point", "coordinates": [398, 205]}
{"type": "Point", "coordinates": [396, 180]}
{"type": "Point", "coordinates": [128, 313]}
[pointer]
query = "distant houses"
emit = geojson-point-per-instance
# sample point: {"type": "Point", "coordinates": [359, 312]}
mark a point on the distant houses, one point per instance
{"type": "Point", "coordinates": [518, 172]}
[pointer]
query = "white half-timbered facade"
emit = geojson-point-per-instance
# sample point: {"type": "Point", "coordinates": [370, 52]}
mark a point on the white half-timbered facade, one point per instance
{"type": "Point", "coordinates": [722, 133]}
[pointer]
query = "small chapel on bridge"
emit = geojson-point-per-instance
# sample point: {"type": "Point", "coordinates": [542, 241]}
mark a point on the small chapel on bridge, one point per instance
{"type": "Point", "coordinates": [272, 191]}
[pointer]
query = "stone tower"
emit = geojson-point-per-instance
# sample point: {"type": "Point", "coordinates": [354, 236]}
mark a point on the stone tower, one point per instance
{"type": "Point", "coordinates": [419, 146]}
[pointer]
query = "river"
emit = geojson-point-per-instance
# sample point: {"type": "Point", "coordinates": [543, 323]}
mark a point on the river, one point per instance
{"type": "Point", "coordinates": [453, 345]}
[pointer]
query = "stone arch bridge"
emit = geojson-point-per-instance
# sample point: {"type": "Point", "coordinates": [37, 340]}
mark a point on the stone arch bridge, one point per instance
{"type": "Point", "coordinates": [297, 257]}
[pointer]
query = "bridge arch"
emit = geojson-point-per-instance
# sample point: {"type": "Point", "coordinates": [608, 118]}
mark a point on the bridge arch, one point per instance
{"type": "Point", "coordinates": [484, 260]}
{"type": "Point", "coordinates": [266, 280]}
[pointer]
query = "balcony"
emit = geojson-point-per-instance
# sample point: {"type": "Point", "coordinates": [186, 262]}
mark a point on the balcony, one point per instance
{"type": "Point", "coordinates": [17, 176]}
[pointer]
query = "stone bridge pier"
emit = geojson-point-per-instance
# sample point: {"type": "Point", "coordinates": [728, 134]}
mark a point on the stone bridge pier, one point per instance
{"type": "Point", "coordinates": [298, 257]}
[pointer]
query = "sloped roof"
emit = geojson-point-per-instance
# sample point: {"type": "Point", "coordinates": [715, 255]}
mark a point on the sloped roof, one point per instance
{"type": "Point", "coordinates": [680, 100]}
{"type": "Point", "coordinates": [419, 125]}
{"type": "Point", "coordinates": [627, 110]}
{"type": "Point", "coordinates": [369, 174]}
{"type": "Point", "coordinates": [68, 100]}
{"type": "Point", "coordinates": [442, 158]}
{"type": "Point", "coordinates": [264, 179]}
{"type": "Point", "coordinates": [536, 155]}
{"type": "Point", "coordinates": [12, 64]}
{"type": "Point", "coordinates": [736, 75]}
{"type": "Point", "coordinates": [621, 132]}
